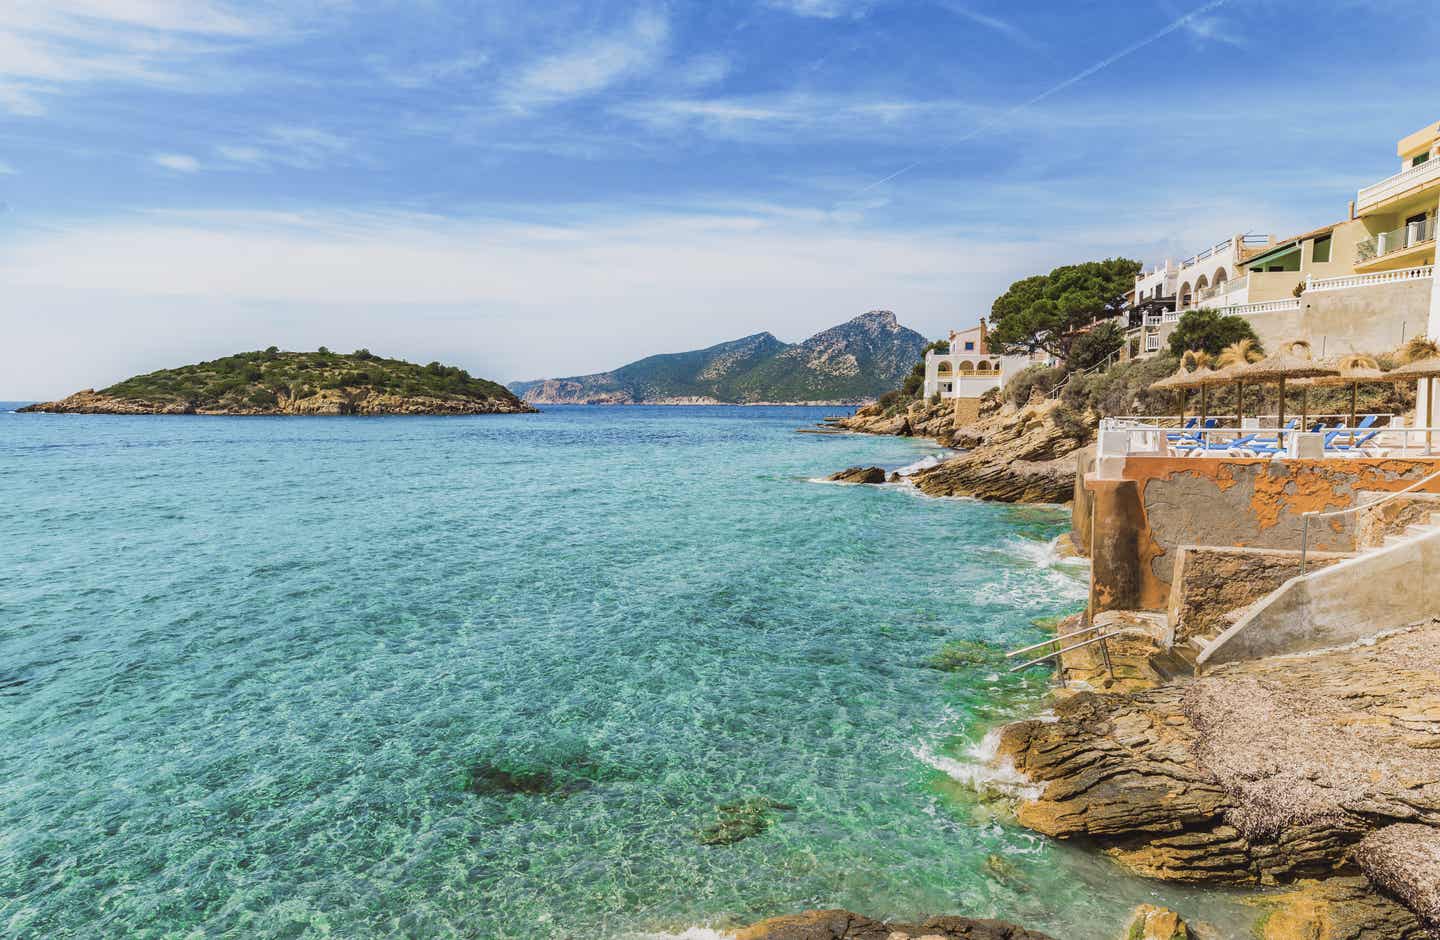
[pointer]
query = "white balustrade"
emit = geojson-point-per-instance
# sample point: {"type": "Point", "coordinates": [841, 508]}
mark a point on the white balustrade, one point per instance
{"type": "Point", "coordinates": [1399, 183]}
{"type": "Point", "coordinates": [1367, 280]}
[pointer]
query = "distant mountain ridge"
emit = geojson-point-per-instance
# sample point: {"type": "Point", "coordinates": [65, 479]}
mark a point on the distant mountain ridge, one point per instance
{"type": "Point", "coordinates": [855, 361]}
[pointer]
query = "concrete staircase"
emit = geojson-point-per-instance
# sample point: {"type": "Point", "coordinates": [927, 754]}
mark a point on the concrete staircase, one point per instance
{"type": "Point", "coordinates": [1382, 588]}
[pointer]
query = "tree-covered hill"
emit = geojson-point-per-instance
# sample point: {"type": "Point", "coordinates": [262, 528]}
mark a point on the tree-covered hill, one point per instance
{"type": "Point", "coordinates": [273, 381]}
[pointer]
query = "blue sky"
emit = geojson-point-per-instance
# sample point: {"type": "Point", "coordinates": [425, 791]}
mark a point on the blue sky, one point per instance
{"type": "Point", "coordinates": [533, 189]}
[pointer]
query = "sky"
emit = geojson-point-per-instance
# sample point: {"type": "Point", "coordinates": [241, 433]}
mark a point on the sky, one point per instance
{"type": "Point", "coordinates": [533, 189]}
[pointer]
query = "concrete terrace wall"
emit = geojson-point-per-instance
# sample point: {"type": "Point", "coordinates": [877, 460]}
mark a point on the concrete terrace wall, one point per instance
{"type": "Point", "coordinates": [1371, 319]}
{"type": "Point", "coordinates": [1212, 583]}
{"type": "Point", "coordinates": [1357, 598]}
{"type": "Point", "coordinates": [1161, 504]}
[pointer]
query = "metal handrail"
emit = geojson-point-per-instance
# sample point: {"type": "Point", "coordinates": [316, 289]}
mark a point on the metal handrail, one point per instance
{"type": "Point", "coordinates": [1056, 653]}
{"type": "Point", "coordinates": [1104, 652]}
{"type": "Point", "coordinates": [1306, 517]}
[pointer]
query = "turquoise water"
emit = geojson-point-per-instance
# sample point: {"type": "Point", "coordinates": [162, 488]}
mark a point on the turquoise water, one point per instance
{"type": "Point", "coordinates": [248, 665]}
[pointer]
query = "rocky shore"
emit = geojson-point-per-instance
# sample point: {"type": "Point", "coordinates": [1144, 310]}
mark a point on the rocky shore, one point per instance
{"type": "Point", "coordinates": [1320, 771]}
{"type": "Point", "coordinates": [1014, 455]}
{"type": "Point", "coordinates": [353, 401]}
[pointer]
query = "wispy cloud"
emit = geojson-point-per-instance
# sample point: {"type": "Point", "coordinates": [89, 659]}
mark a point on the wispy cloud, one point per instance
{"type": "Point", "coordinates": [301, 148]}
{"type": "Point", "coordinates": [822, 9]}
{"type": "Point", "coordinates": [48, 45]}
{"type": "Point", "coordinates": [6, 169]}
{"type": "Point", "coordinates": [178, 162]}
{"type": "Point", "coordinates": [1205, 29]}
{"type": "Point", "coordinates": [704, 70]}
{"type": "Point", "coordinates": [426, 73]}
{"type": "Point", "coordinates": [593, 64]}
{"type": "Point", "coordinates": [825, 115]}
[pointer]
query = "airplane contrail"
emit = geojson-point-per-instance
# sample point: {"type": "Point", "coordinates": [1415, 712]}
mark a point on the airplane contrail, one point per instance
{"type": "Point", "coordinates": [1080, 76]}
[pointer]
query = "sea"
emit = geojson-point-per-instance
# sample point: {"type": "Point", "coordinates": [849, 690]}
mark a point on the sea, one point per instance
{"type": "Point", "coordinates": [631, 672]}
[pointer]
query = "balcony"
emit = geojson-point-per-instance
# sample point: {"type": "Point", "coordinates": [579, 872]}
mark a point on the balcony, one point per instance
{"type": "Point", "coordinates": [1223, 291]}
{"type": "Point", "coordinates": [1402, 182]}
{"type": "Point", "coordinates": [1414, 235]}
{"type": "Point", "coordinates": [1346, 282]}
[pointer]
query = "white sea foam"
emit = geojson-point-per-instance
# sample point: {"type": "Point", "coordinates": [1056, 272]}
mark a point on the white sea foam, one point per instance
{"type": "Point", "coordinates": [982, 771]}
{"type": "Point", "coordinates": [924, 463]}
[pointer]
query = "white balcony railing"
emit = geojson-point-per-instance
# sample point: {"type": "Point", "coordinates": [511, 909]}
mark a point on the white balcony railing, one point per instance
{"type": "Point", "coordinates": [1406, 179]}
{"type": "Point", "coordinates": [1264, 306]}
{"type": "Point", "coordinates": [1387, 243]}
{"type": "Point", "coordinates": [1423, 272]}
{"type": "Point", "coordinates": [1152, 342]}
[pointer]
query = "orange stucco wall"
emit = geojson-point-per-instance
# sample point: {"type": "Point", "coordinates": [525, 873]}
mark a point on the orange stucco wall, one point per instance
{"type": "Point", "coordinates": [1165, 503]}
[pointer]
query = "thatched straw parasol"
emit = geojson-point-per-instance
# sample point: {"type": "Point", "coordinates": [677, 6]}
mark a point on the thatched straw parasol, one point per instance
{"type": "Point", "coordinates": [1182, 382]}
{"type": "Point", "coordinates": [1231, 358]}
{"type": "Point", "coordinates": [1294, 363]}
{"type": "Point", "coordinates": [1354, 370]}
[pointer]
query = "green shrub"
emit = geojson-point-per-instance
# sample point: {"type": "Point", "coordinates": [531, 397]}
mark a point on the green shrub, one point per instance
{"type": "Point", "coordinates": [1207, 330]}
{"type": "Point", "coordinates": [1044, 378]}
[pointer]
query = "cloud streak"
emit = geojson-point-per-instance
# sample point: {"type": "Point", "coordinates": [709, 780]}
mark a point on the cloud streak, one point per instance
{"type": "Point", "coordinates": [591, 65]}
{"type": "Point", "coordinates": [999, 121]}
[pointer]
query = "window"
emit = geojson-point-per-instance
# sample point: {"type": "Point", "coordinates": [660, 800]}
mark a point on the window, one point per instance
{"type": "Point", "coordinates": [1322, 250]}
{"type": "Point", "coordinates": [969, 346]}
{"type": "Point", "coordinates": [1420, 158]}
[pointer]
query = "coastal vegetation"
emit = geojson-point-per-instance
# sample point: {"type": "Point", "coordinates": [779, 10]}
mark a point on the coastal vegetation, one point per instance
{"type": "Point", "coordinates": [1208, 331]}
{"type": "Point", "coordinates": [275, 381]}
{"type": "Point", "coordinates": [1051, 312]}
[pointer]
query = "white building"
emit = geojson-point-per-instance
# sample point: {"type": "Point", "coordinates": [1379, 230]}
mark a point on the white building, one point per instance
{"type": "Point", "coordinates": [969, 370]}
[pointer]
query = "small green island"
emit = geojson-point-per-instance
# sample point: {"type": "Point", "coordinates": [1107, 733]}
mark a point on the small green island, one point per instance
{"type": "Point", "coordinates": [277, 382]}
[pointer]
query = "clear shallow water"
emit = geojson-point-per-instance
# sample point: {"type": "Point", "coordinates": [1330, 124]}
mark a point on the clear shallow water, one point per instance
{"type": "Point", "coordinates": [246, 665]}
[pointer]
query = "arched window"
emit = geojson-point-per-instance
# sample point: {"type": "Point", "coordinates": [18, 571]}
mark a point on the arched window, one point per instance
{"type": "Point", "coordinates": [944, 367]}
{"type": "Point", "coordinates": [1201, 283]}
{"type": "Point", "coordinates": [1185, 294]}
{"type": "Point", "coordinates": [1220, 278]}
{"type": "Point", "coordinates": [967, 366]}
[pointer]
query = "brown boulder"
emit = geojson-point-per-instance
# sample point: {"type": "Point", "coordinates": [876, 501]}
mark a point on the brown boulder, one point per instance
{"type": "Point", "coordinates": [858, 475]}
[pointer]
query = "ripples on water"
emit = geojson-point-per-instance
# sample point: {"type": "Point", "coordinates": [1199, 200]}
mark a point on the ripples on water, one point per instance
{"type": "Point", "coordinates": [247, 667]}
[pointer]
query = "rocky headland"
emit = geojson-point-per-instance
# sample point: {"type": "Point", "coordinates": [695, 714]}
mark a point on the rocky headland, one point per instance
{"type": "Point", "coordinates": [1025, 454]}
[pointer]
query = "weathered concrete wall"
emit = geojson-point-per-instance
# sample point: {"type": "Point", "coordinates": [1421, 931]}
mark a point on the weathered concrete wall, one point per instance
{"type": "Point", "coordinates": [1081, 505]}
{"type": "Point", "coordinates": [1119, 524]}
{"type": "Point", "coordinates": [1393, 517]}
{"type": "Point", "coordinates": [1367, 319]}
{"type": "Point", "coordinates": [1371, 593]}
{"type": "Point", "coordinates": [1212, 583]}
{"type": "Point", "coordinates": [1248, 503]}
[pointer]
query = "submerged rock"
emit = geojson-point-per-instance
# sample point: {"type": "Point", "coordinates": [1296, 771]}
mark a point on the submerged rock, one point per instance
{"type": "Point", "coordinates": [843, 925]}
{"type": "Point", "coordinates": [1156, 923]}
{"type": "Point", "coordinates": [1336, 909]}
{"type": "Point", "coordinates": [858, 475]}
{"type": "Point", "coordinates": [962, 654]}
{"type": "Point", "coordinates": [509, 778]}
{"type": "Point", "coordinates": [740, 820]}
